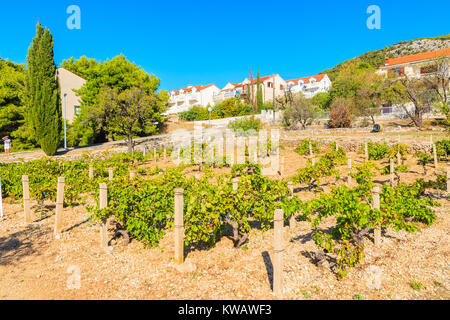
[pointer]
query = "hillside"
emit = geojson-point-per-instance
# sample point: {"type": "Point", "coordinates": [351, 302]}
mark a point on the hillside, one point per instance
{"type": "Point", "coordinates": [404, 48]}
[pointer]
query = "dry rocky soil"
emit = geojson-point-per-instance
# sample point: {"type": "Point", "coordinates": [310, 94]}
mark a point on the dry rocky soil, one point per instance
{"type": "Point", "coordinates": [34, 265]}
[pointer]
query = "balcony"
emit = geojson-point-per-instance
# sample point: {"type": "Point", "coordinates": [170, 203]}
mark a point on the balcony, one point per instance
{"type": "Point", "coordinates": [194, 97]}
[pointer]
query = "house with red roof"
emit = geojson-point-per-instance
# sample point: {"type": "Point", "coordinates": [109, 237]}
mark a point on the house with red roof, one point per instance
{"type": "Point", "coordinates": [185, 98]}
{"type": "Point", "coordinates": [415, 66]}
{"type": "Point", "coordinates": [270, 85]}
{"type": "Point", "coordinates": [309, 86]}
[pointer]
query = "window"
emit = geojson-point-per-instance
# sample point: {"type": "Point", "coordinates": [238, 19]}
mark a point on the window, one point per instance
{"type": "Point", "coordinates": [269, 84]}
{"type": "Point", "coordinates": [76, 110]}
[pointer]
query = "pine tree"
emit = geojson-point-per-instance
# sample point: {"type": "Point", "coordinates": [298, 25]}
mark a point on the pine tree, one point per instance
{"type": "Point", "coordinates": [44, 104]}
{"type": "Point", "coordinates": [259, 94]}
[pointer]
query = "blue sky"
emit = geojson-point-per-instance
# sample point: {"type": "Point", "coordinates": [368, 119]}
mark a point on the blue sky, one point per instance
{"type": "Point", "coordinates": [202, 42]}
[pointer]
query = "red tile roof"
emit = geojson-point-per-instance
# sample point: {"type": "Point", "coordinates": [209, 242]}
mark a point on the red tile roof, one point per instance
{"type": "Point", "coordinates": [189, 90]}
{"type": "Point", "coordinates": [306, 80]}
{"type": "Point", "coordinates": [417, 57]}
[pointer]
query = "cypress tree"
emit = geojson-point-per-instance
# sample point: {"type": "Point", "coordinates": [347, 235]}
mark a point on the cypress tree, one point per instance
{"type": "Point", "coordinates": [44, 104]}
{"type": "Point", "coordinates": [259, 95]}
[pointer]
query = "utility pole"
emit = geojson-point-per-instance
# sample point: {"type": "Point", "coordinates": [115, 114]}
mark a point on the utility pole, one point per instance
{"type": "Point", "coordinates": [273, 120]}
{"type": "Point", "coordinates": [65, 131]}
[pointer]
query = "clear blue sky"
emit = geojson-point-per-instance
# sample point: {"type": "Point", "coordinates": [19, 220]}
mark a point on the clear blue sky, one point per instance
{"type": "Point", "coordinates": [202, 42]}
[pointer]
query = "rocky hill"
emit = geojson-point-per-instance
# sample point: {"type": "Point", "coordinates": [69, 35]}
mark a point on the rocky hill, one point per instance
{"type": "Point", "coordinates": [404, 48]}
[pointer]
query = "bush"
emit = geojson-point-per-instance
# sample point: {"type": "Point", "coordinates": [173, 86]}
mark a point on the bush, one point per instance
{"type": "Point", "coordinates": [443, 149]}
{"type": "Point", "coordinates": [232, 107]}
{"type": "Point", "coordinates": [340, 116]}
{"type": "Point", "coordinates": [246, 126]}
{"type": "Point", "coordinates": [196, 113]}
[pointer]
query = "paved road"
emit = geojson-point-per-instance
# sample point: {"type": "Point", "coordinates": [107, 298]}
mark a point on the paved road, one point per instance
{"type": "Point", "coordinates": [115, 145]}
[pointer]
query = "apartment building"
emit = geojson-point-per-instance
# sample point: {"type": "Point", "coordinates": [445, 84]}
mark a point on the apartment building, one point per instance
{"type": "Point", "coordinates": [269, 85]}
{"type": "Point", "coordinates": [415, 66]}
{"type": "Point", "coordinates": [309, 86]}
{"type": "Point", "coordinates": [185, 98]}
{"type": "Point", "coordinates": [412, 66]}
{"type": "Point", "coordinates": [70, 102]}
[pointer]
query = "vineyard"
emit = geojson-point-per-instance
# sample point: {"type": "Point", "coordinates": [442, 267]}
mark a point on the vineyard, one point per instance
{"type": "Point", "coordinates": [341, 210]}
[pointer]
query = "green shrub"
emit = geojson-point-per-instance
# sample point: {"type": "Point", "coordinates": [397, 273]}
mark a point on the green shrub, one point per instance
{"type": "Point", "coordinates": [303, 148]}
{"type": "Point", "coordinates": [246, 126]}
{"type": "Point", "coordinates": [443, 149]}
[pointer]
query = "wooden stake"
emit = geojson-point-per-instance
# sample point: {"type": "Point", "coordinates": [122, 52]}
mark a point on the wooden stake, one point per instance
{"type": "Point", "coordinates": [26, 200]}
{"type": "Point", "coordinates": [376, 205]}
{"type": "Point", "coordinates": [435, 156]}
{"type": "Point", "coordinates": [132, 174]}
{"type": "Point", "coordinates": [278, 253]}
{"type": "Point", "coordinates": [366, 151]}
{"type": "Point", "coordinates": [235, 184]}
{"type": "Point", "coordinates": [310, 149]}
{"type": "Point", "coordinates": [91, 171]}
{"type": "Point", "coordinates": [291, 191]}
{"type": "Point", "coordinates": [399, 159]}
{"type": "Point", "coordinates": [103, 203]}
{"type": "Point", "coordinates": [1, 200]}
{"type": "Point", "coordinates": [179, 226]}
{"type": "Point", "coordinates": [349, 178]}
{"type": "Point", "coordinates": [154, 155]}
{"type": "Point", "coordinates": [391, 170]}
{"type": "Point", "coordinates": [59, 207]}
{"type": "Point", "coordinates": [448, 177]}
{"type": "Point", "coordinates": [110, 174]}
{"type": "Point", "coordinates": [165, 153]}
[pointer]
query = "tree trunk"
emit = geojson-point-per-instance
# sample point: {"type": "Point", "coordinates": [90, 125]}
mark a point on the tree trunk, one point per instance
{"type": "Point", "coordinates": [130, 143]}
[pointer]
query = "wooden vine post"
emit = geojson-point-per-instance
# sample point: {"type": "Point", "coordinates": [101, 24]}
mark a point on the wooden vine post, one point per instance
{"type": "Point", "coordinates": [179, 226]}
{"type": "Point", "coordinates": [391, 171]}
{"type": "Point", "coordinates": [154, 155]}
{"type": "Point", "coordinates": [26, 199]}
{"type": "Point", "coordinates": [376, 205]}
{"type": "Point", "coordinates": [165, 153]}
{"type": "Point", "coordinates": [110, 174]}
{"type": "Point", "coordinates": [435, 156]}
{"type": "Point", "coordinates": [235, 184]}
{"type": "Point", "coordinates": [291, 195]}
{"type": "Point", "coordinates": [349, 178]}
{"type": "Point", "coordinates": [399, 159]}
{"type": "Point", "coordinates": [278, 253]}
{"type": "Point", "coordinates": [91, 171]}
{"type": "Point", "coordinates": [366, 151]}
{"type": "Point", "coordinates": [103, 203]}
{"type": "Point", "coordinates": [1, 200]}
{"type": "Point", "coordinates": [448, 177]}
{"type": "Point", "coordinates": [310, 149]}
{"type": "Point", "coordinates": [59, 207]}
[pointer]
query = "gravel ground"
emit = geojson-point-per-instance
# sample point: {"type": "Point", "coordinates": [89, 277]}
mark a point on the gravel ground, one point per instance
{"type": "Point", "coordinates": [34, 265]}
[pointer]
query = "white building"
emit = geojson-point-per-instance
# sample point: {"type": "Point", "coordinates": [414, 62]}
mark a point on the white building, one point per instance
{"type": "Point", "coordinates": [269, 84]}
{"type": "Point", "coordinates": [70, 102]}
{"type": "Point", "coordinates": [185, 98]}
{"type": "Point", "coordinates": [310, 86]}
{"type": "Point", "coordinates": [414, 66]}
